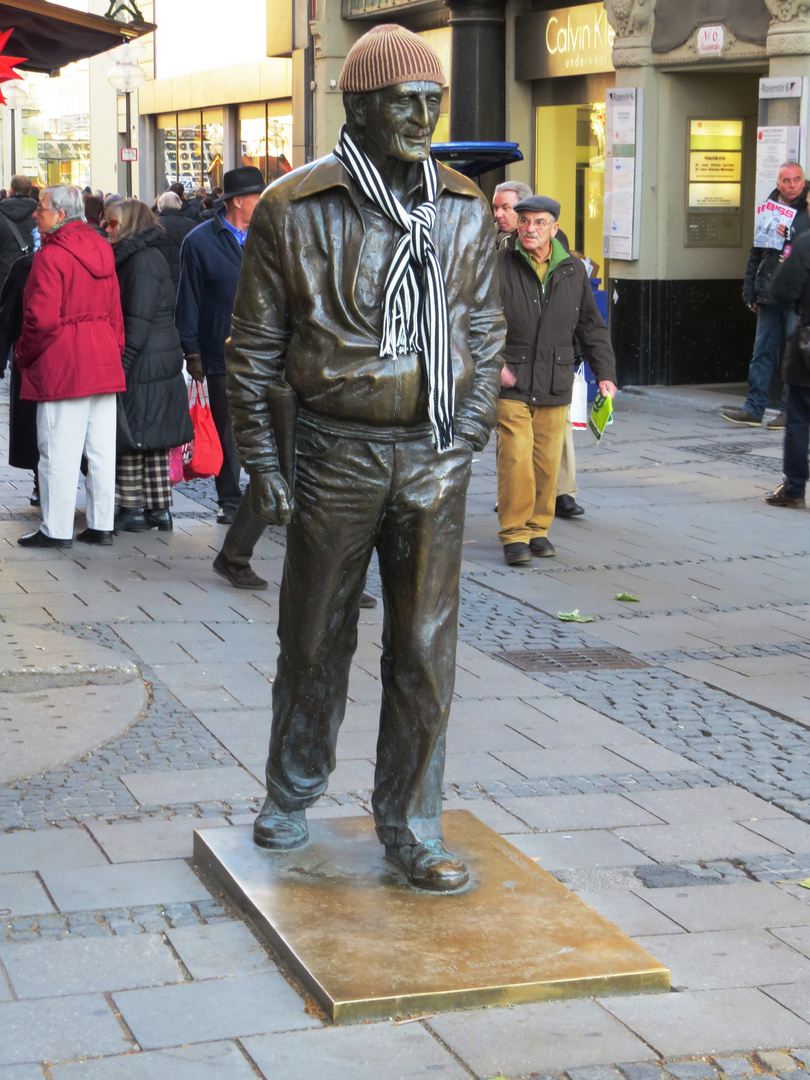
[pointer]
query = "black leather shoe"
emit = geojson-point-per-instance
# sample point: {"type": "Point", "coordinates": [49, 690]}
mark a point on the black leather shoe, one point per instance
{"type": "Point", "coordinates": [279, 830]}
{"type": "Point", "coordinates": [517, 554]}
{"type": "Point", "coordinates": [225, 515]}
{"type": "Point", "coordinates": [542, 547]}
{"type": "Point", "coordinates": [781, 498]}
{"type": "Point", "coordinates": [39, 539]}
{"type": "Point", "coordinates": [368, 601]}
{"type": "Point", "coordinates": [566, 506]}
{"type": "Point", "coordinates": [429, 865]}
{"type": "Point", "coordinates": [159, 519]}
{"type": "Point", "coordinates": [129, 520]}
{"type": "Point", "coordinates": [243, 577]}
{"type": "Point", "coordinates": [95, 536]}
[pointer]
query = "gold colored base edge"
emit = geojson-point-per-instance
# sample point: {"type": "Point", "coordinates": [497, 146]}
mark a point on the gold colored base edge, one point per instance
{"type": "Point", "coordinates": [366, 945]}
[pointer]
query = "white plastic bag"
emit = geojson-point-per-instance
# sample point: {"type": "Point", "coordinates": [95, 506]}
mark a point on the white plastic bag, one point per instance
{"type": "Point", "coordinates": [578, 409]}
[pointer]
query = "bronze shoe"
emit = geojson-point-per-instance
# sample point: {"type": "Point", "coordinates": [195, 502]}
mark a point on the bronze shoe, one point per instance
{"type": "Point", "coordinates": [279, 830]}
{"type": "Point", "coordinates": [429, 865]}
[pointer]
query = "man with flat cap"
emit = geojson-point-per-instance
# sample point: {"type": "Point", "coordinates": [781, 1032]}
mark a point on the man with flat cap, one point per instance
{"type": "Point", "coordinates": [210, 261]}
{"type": "Point", "coordinates": [369, 297]}
{"type": "Point", "coordinates": [547, 299]}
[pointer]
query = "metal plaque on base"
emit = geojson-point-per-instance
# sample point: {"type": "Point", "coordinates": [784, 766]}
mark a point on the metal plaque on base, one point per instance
{"type": "Point", "coordinates": [366, 944]}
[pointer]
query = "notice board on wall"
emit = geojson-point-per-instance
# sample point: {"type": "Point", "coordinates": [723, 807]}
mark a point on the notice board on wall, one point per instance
{"type": "Point", "coordinates": [622, 227]}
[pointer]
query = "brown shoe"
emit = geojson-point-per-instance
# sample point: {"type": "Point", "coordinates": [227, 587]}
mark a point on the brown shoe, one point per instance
{"type": "Point", "coordinates": [429, 865]}
{"type": "Point", "coordinates": [243, 577]}
{"type": "Point", "coordinates": [781, 498]}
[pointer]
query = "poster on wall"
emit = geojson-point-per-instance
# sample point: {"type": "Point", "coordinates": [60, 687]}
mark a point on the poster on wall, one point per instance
{"type": "Point", "coordinates": [775, 146]}
{"type": "Point", "coordinates": [622, 174]}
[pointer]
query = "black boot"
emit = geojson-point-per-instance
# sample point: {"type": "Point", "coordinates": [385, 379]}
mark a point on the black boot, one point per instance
{"type": "Point", "coordinates": [129, 520]}
{"type": "Point", "coordinates": [158, 519]}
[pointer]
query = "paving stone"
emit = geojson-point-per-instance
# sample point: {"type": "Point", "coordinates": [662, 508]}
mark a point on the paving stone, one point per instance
{"type": "Point", "coordinates": [137, 841]}
{"type": "Point", "coordinates": [630, 912]}
{"type": "Point", "coordinates": [727, 958]}
{"type": "Point", "coordinates": [46, 969]}
{"type": "Point", "coordinates": [642, 1072]}
{"type": "Point", "coordinates": [593, 1072]}
{"type": "Point", "coordinates": [709, 1021]}
{"type": "Point", "coordinates": [21, 1072]}
{"type": "Point", "coordinates": [219, 949]}
{"type": "Point", "coordinates": [51, 848]}
{"type": "Point", "coordinates": [776, 1061]}
{"type": "Point", "coordinates": [569, 812]}
{"type": "Point", "coordinates": [716, 839]}
{"type": "Point", "coordinates": [73, 1027]}
{"type": "Point", "coordinates": [124, 884]}
{"type": "Point", "coordinates": [730, 907]}
{"type": "Point", "coordinates": [362, 1052]}
{"type": "Point", "coordinates": [691, 1070]}
{"type": "Point", "coordinates": [211, 1010]}
{"type": "Point", "coordinates": [591, 848]}
{"type": "Point", "coordinates": [192, 786]}
{"type": "Point", "coordinates": [734, 1066]}
{"type": "Point", "coordinates": [22, 894]}
{"type": "Point", "coordinates": [207, 1061]}
{"type": "Point", "coordinates": [538, 1038]}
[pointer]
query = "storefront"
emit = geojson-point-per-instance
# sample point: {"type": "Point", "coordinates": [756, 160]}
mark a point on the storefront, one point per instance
{"type": "Point", "coordinates": [565, 55]}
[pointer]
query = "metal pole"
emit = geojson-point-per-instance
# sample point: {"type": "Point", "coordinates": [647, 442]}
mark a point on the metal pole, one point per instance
{"type": "Point", "coordinates": [129, 163]}
{"type": "Point", "coordinates": [13, 144]}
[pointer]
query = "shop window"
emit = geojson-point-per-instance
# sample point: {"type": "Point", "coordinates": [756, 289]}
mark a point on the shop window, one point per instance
{"type": "Point", "coordinates": [570, 167]}
{"type": "Point", "coordinates": [265, 133]}
{"type": "Point", "coordinates": [189, 149]}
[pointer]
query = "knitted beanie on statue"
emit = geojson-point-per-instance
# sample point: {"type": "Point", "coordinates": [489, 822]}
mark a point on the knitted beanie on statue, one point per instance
{"type": "Point", "coordinates": [387, 55]}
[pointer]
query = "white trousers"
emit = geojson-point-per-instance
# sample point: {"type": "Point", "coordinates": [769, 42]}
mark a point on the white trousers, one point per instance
{"type": "Point", "coordinates": [66, 430]}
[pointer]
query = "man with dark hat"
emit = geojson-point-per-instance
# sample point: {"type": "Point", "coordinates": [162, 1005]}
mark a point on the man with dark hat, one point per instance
{"type": "Point", "coordinates": [547, 299]}
{"type": "Point", "coordinates": [369, 297]}
{"type": "Point", "coordinates": [210, 261]}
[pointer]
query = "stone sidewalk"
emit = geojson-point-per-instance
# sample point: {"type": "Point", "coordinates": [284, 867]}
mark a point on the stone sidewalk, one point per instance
{"type": "Point", "coordinates": [654, 760]}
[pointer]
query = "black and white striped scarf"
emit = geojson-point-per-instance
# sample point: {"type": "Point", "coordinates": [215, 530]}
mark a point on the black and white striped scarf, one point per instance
{"type": "Point", "coordinates": [415, 316]}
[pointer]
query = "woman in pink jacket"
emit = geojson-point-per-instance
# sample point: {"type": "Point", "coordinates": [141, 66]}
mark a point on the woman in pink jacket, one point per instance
{"type": "Point", "coordinates": [69, 354]}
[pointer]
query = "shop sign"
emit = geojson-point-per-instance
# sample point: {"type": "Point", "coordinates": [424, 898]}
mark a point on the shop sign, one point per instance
{"type": "Point", "coordinates": [567, 41]}
{"type": "Point", "coordinates": [710, 40]}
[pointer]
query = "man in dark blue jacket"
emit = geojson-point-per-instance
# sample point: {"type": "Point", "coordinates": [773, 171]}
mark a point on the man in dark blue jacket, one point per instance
{"type": "Point", "coordinates": [210, 261]}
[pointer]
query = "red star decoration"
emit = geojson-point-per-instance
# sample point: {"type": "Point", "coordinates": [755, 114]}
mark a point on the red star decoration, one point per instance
{"type": "Point", "coordinates": [7, 63]}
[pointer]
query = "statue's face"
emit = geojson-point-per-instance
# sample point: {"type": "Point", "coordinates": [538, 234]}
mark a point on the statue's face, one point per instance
{"type": "Point", "coordinates": [399, 120]}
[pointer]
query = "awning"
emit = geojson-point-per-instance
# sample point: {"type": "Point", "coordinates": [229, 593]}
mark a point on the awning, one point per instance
{"type": "Point", "coordinates": [52, 36]}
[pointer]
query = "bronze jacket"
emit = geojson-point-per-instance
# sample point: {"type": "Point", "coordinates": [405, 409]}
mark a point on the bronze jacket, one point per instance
{"type": "Point", "coordinates": [308, 310]}
{"type": "Point", "coordinates": [541, 322]}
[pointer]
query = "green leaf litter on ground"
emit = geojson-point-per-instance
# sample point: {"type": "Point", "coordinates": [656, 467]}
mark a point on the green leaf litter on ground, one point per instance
{"type": "Point", "coordinates": [627, 596]}
{"type": "Point", "coordinates": [805, 884]}
{"type": "Point", "coordinates": [574, 616]}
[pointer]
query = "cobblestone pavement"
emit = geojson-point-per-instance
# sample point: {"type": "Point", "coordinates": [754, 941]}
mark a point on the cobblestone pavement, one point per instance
{"type": "Point", "coordinates": [673, 796]}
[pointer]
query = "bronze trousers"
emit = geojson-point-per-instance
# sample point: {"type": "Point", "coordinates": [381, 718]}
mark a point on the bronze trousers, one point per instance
{"type": "Point", "coordinates": [358, 489]}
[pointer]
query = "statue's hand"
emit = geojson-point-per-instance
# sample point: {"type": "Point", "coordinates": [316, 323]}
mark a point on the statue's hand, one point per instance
{"type": "Point", "coordinates": [271, 498]}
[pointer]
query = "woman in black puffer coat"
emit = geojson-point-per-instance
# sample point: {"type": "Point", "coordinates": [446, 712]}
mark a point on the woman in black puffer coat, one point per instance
{"type": "Point", "coordinates": [153, 412]}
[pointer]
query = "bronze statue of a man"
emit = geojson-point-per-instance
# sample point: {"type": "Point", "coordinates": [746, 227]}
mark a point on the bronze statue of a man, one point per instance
{"type": "Point", "coordinates": [369, 295]}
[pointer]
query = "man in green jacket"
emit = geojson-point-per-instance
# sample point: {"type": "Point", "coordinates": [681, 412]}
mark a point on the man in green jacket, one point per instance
{"type": "Point", "coordinates": [547, 299]}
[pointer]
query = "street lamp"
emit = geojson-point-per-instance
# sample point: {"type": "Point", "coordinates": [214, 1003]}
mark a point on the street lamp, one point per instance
{"type": "Point", "coordinates": [16, 97]}
{"type": "Point", "coordinates": [125, 76]}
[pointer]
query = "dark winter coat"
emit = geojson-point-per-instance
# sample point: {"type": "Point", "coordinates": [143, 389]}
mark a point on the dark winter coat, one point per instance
{"type": "Point", "coordinates": [210, 261]}
{"type": "Point", "coordinates": [73, 333]}
{"type": "Point", "coordinates": [541, 321]}
{"type": "Point", "coordinates": [23, 452]}
{"type": "Point", "coordinates": [176, 227]}
{"type": "Point", "coordinates": [764, 262]}
{"type": "Point", "coordinates": [156, 400]}
{"type": "Point", "coordinates": [791, 288]}
{"type": "Point", "coordinates": [19, 211]}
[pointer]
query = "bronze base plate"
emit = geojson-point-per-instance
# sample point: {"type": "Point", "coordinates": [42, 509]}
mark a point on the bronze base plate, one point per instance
{"type": "Point", "coordinates": [368, 945]}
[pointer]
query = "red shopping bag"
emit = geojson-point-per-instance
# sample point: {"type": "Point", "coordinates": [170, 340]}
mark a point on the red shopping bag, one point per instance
{"type": "Point", "coordinates": [203, 455]}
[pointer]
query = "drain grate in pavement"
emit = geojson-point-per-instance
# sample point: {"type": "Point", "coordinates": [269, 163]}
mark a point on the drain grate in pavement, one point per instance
{"type": "Point", "coordinates": [562, 660]}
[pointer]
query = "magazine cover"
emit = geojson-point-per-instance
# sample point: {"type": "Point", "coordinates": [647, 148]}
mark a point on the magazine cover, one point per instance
{"type": "Point", "coordinates": [770, 215]}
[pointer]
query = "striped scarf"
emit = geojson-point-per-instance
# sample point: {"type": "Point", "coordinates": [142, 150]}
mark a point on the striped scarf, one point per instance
{"type": "Point", "coordinates": [415, 301]}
